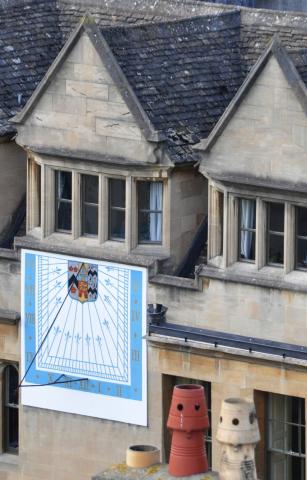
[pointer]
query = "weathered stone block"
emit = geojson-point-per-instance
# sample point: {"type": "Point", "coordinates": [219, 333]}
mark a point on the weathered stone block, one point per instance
{"type": "Point", "coordinates": [86, 89]}
{"type": "Point", "coordinates": [58, 85]}
{"type": "Point", "coordinates": [67, 104]}
{"type": "Point", "coordinates": [117, 129]}
{"type": "Point", "coordinates": [66, 70]}
{"type": "Point", "coordinates": [109, 110]}
{"type": "Point", "coordinates": [76, 55]}
{"type": "Point", "coordinates": [65, 121]}
{"type": "Point", "coordinates": [132, 149]}
{"type": "Point", "coordinates": [45, 103]}
{"type": "Point", "coordinates": [115, 95]}
{"type": "Point", "coordinates": [90, 55]}
{"type": "Point", "coordinates": [91, 73]}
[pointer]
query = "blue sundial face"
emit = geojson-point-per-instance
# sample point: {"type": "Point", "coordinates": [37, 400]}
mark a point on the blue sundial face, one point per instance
{"type": "Point", "coordinates": [84, 320]}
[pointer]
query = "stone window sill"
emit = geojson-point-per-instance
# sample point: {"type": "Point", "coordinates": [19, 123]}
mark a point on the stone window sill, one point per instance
{"type": "Point", "coordinates": [99, 252]}
{"type": "Point", "coordinates": [9, 459]}
{"type": "Point", "coordinates": [269, 277]}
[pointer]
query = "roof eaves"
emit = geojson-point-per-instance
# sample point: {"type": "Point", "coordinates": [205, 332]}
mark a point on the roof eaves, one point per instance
{"type": "Point", "coordinates": [119, 78]}
{"type": "Point", "coordinates": [51, 72]}
{"type": "Point", "coordinates": [292, 75]}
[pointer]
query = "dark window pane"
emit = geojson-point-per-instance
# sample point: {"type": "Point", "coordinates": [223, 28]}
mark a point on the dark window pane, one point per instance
{"type": "Point", "coordinates": [292, 438]}
{"type": "Point", "coordinates": [117, 193]}
{"type": "Point", "coordinates": [90, 219]}
{"type": "Point", "coordinates": [276, 249]}
{"type": "Point", "coordinates": [301, 221]}
{"type": "Point", "coordinates": [150, 227]}
{"type": "Point", "coordinates": [297, 468]}
{"type": "Point", "coordinates": [64, 185]}
{"type": "Point", "coordinates": [247, 213]}
{"type": "Point", "coordinates": [12, 385]}
{"type": "Point", "coordinates": [247, 245]}
{"type": "Point", "coordinates": [303, 438]}
{"type": "Point", "coordinates": [301, 253]}
{"type": "Point", "coordinates": [144, 227]}
{"type": "Point", "coordinates": [117, 224]}
{"type": "Point", "coordinates": [221, 222]}
{"type": "Point", "coordinates": [12, 433]}
{"type": "Point", "coordinates": [276, 217]}
{"type": "Point", "coordinates": [90, 188]}
{"type": "Point", "coordinates": [10, 419]}
{"type": "Point", "coordinates": [64, 216]}
{"type": "Point", "coordinates": [144, 195]}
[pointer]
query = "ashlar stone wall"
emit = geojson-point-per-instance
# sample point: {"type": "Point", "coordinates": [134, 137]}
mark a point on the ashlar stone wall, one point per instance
{"type": "Point", "coordinates": [83, 110]}
{"type": "Point", "coordinates": [251, 310]}
{"type": "Point", "coordinates": [267, 136]}
{"type": "Point", "coordinates": [13, 169]}
{"type": "Point", "coordinates": [189, 207]}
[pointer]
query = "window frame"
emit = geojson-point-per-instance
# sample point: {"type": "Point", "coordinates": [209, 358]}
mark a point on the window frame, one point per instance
{"type": "Point", "coordinates": [149, 211]}
{"type": "Point", "coordinates": [51, 199]}
{"type": "Point", "coordinates": [34, 194]}
{"type": "Point", "coordinates": [110, 207]}
{"type": "Point", "coordinates": [8, 405]}
{"type": "Point", "coordinates": [231, 225]}
{"type": "Point", "coordinates": [63, 200]}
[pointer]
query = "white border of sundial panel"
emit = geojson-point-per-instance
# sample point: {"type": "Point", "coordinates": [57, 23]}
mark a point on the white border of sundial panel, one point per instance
{"type": "Point", "coordinates": [81, 402]}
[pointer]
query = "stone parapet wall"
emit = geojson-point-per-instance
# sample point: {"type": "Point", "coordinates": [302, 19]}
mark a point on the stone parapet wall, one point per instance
{"type": "Point", "coordinates": [155, 472]}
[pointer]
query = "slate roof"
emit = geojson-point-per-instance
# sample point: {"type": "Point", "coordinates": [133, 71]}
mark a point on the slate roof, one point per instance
{"type": "Point", "coordinates": [32, 32]}
{"type": "Point", "coordinates": [184, 73]}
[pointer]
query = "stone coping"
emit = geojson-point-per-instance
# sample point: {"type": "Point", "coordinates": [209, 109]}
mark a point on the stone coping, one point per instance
{"type": "Point", "coordinates": [155, 472]}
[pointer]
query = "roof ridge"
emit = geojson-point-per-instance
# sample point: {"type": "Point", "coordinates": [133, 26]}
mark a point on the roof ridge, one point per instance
{"type": "Point", "coordinates": [8, 4]}
{"type": "Point", "coordinates": [233, 15]}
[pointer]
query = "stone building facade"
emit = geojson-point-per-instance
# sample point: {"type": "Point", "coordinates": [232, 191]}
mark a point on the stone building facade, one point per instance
{"type": "Point", "coordinates": [217, 136]}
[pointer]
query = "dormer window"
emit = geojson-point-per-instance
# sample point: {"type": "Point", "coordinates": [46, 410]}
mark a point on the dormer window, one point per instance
{"type": "Point", "coordinates": [247, 213]}
{"type": "Point", "coordinates": [63, 201]}
{"type": "Point", "coordinates": [150, 201]}
{"type": "Point", "coordinates": [101, 207]}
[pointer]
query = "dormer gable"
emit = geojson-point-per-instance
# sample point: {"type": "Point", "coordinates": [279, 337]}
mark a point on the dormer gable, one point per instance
{"type": "Point", "coordinates": [261, 137]}
{"type": "Point", "coordinates": [84, 106]}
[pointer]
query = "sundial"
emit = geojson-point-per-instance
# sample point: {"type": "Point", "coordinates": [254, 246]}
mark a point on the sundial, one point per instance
{"type": "Point", "coordinates": [83, 323]}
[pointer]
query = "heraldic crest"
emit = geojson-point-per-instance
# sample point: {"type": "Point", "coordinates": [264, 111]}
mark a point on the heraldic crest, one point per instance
{"type": "Point", "coordinates": [83, 281]}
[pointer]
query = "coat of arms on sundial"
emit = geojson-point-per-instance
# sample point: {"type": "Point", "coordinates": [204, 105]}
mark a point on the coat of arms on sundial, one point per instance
{"type": "Point", "coordinates": [83, 281]}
